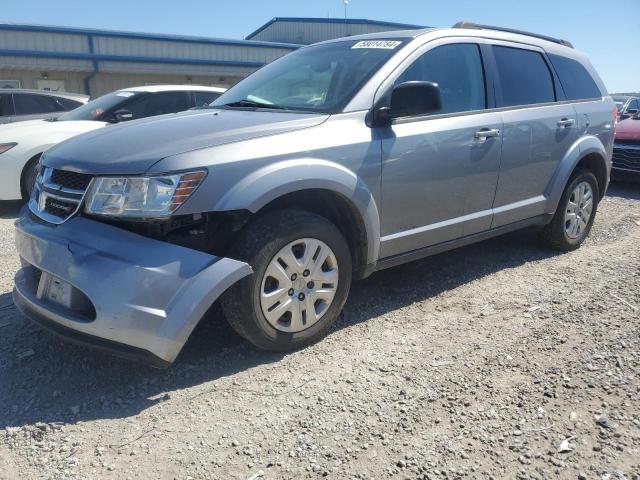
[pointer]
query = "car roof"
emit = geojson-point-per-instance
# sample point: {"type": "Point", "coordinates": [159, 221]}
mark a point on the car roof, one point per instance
{"type": "Point", "coordinates": [72, 96]}
{"type": "Point", "coordinates": [166, 88]}
{"type": "Point", "coordinates": [469, 30]}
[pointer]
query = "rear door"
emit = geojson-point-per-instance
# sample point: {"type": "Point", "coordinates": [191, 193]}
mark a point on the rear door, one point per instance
{"type": "Point", "coordinates": [439, 172]}
{"type": "Point", "coordinates": [538, 130]}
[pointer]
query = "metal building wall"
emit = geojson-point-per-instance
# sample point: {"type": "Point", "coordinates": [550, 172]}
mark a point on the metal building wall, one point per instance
{"type": "Point", "coordinates": [307, 31]}
{"type": "Point", "coordinates": [98, 61]}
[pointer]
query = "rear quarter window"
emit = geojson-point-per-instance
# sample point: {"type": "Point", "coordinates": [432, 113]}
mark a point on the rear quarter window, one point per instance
{"type": "Point", "coordinates": [576, 81]}
{"type": "Point", "coordinates": [525, 78]}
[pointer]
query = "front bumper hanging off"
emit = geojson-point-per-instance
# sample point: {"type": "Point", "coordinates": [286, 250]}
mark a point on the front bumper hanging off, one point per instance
{"type": "Point", "coordinates": [133, 296]}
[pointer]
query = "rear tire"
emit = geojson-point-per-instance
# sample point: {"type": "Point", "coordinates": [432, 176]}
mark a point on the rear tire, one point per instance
{"type": "Point", "coordinates": [575, 214]}
{"type": "Point", "coordinates": [28, 178]}
{"type": "Point", "coordinates": [301, 278]}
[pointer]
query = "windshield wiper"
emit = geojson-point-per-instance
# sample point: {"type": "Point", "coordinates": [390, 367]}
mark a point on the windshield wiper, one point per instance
{"type": "Point", "coordinates": [252, 104]}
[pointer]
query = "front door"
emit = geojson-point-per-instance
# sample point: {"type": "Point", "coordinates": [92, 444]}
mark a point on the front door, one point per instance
{"type": "Point", "coordinates": [439, 172]}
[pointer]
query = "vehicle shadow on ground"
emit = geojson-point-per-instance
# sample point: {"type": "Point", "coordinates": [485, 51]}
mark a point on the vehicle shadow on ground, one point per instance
{"type": "Point", "coordinates": [629, 190]}
{"type": "Point", "coordinates": [43, 379]}
{"type": "Point", "coordinates": [10, 208]}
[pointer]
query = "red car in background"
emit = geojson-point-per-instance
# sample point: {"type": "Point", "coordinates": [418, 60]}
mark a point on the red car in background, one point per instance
{"type": "Point", "coordinates": [626, 149]}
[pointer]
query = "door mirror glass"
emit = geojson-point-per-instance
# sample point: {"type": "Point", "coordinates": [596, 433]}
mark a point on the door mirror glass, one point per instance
{"type": "Point", "coordinates": [410, 99]}
{"type": "Point", "coordinates": [122, 115]}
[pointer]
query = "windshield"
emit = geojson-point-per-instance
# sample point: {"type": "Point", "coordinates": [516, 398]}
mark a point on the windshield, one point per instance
{"type": "Point", "coordinates": [321, 78]}
{"type": "Point", "coordinates": [95, 108]}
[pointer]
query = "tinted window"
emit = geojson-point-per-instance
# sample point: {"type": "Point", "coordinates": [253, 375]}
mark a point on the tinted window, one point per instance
{"type": "Point", "coordinates": [5, 111]}
{"type": "Point", "coordinates": [525, 78]}
{"type": "Point", "coordinates": [457, 69]}
{"type": "Point", "coordinates": [158, 104]}
{"type": "Point", "coordinates": [30, 104]}
{"type": "Point", "coordinates": [575, 80]}
{"type": "Point", "coordinates": [633, 105]}
{"type": "Point", "coordinates": [99, 108]}
{"type": "Point", "coordinates": [67, 104]}
{"type": "Point", "coordinates": [204, 98]}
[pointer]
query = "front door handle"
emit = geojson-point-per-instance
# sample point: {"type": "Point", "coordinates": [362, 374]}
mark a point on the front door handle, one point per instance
{"type": "Point", "coordinates": [566, 122]}
{"type": "Point", "coordinates": [486, 133]}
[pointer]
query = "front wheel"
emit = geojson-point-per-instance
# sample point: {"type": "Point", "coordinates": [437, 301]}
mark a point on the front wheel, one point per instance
{"type": "Point", "coordinates": [575, 214]}
{"type": "Point", "coordinates": [301, 279]}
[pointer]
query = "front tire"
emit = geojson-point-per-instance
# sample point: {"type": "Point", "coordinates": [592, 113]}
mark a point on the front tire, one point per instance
{"type": "Point", "coordinates": [301, 278]}
{"type": "Point", "coordinates": [575, 214]}
{"type": "Point", "coordinates": [28, 178]}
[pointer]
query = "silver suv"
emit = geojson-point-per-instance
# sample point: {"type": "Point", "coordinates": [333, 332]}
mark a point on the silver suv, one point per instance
{"type": "Point", "coordinates": [333, 162]}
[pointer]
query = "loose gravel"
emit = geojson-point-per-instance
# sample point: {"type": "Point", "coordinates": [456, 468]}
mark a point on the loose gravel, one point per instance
{"type": "Point", "coordinates": [499, 360]}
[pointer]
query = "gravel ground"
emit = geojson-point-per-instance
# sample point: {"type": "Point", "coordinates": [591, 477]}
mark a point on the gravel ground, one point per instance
{"type": "Point", "coordinates": [499, 360]}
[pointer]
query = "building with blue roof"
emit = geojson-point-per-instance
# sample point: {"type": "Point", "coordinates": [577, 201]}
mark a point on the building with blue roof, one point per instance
{"type": "Point", "coordinates": [96, 62]}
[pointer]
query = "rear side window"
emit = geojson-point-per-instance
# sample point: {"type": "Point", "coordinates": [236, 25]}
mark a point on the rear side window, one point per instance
{"type": "Point", "coordinates": [575, 79]}
{"type": "Point", "coordinates": [457, 69]}
{"type": "Point", "coordinates": [201, 99]}
{"type": "Point", "coordinates": [67, 104]}
{"type": "Point", "coordinates": [31, 104]}
{"type": "Point", "coordinates": [525, 78]}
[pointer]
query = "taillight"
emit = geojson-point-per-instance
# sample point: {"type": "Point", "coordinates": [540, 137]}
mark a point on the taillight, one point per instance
{"type": "Point", "coordinates": [615, 116]}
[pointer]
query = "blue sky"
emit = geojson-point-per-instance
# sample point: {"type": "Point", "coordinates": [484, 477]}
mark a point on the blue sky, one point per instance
{"type": "Point", "coordinates": [601, 29]}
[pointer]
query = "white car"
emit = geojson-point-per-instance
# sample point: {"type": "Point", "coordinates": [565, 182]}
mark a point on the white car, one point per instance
{"type": "Point", "coordinates": [22, 143]}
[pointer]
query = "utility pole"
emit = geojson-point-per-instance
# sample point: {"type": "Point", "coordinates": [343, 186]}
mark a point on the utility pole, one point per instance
{"type": "Point", "coordinates": [346, 3]}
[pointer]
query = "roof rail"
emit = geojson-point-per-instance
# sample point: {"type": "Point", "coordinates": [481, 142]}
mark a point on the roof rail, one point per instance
{"type": "Point", "coordinates": [478, 26]}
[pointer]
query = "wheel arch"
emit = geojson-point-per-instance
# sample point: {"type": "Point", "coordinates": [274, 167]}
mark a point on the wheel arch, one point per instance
{"type": "Point", "coordinates": [587, 152]}
{"type": "Point", "coordinates": [319, 186]}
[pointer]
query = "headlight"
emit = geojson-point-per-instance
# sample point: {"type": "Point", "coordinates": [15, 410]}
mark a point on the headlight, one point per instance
{"type": "Point", "coordinates": [6, 146]}
{"type": "Point", "coordinates": [156, 196]}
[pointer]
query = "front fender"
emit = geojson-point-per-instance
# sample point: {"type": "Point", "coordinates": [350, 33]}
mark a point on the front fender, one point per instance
{"type": "Point", "coordinates": [273, 181]}
{"type": "Point", "coordinates": [584, 146]}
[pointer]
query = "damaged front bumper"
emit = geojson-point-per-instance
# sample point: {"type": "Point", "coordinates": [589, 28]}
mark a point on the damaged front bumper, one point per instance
{"type": "Point", "coordinates": [133, 296]}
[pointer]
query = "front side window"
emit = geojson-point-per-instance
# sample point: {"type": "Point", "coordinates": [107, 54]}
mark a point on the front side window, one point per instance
{"type": "Point", "coordinates": [457, 69]}
{"type": "Point", "coordinates": [98, 108]}
{"type": "Point", "coordinates": [200, 99]}
{"type": "Point", "coordinates": [321, 78]}
{"type": "Point", "coordinates": [576, 81]}
{"type": "Point", "coordinates": [158, 103]}
{"type": "Point", "coordinates": [67, 104]}
{"type": "Point", "coordinates": [525, 78]}
{"type": "Point", "coordinates": [31, 104]}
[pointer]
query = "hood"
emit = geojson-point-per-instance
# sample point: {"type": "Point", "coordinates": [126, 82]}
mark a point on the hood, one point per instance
{"type": "Point", "coordinates": [134, 147]}
{"type": "Point", "coordinates": [628, 129]}
{"type": "Point", "coordinates": [36, 129]}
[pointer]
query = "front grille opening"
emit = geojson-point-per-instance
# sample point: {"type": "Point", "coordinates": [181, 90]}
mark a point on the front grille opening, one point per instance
{"type": "Point", "coordinates": [71, 180]}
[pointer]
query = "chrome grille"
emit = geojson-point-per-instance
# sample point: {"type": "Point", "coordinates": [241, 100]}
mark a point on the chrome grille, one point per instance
{"type": "Point", "coordinates": [58, 194]}
{"type": "Point", "coordinates": [71, 180]}
{"type": "Point", "coordinates": [626, 156]}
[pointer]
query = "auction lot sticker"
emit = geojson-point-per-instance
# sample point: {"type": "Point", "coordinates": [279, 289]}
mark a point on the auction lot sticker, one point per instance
{"type": "Point", "coordinates": [384, 44]}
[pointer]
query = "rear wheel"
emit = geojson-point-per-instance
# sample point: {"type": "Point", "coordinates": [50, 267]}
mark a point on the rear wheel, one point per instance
{"type": "Point", "coordinates": [576, 212]}
{"type": "Point", "coordinates": [301, 280]}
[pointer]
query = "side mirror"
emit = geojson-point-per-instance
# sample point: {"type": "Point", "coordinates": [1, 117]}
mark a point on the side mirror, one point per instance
{"type": "Point", "coordinates": [410, 99]}
{"type": "Point", "coordinates": [122, 115]}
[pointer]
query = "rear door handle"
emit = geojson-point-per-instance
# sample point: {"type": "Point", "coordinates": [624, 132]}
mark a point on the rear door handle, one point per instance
{"type": "Point", "coordinates": [566, 122]}
{"type": "Point", "coordinates": [486, 133]}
